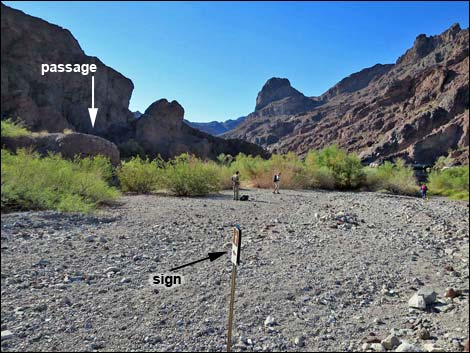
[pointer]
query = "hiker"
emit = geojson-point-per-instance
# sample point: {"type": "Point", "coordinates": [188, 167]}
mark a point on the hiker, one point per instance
{"type": "Point", "coordinates": [277, 181]}
{"type": "Point", "coordinates": [236, 185]}
{"type": "Point", "coordinates": [424, 190]}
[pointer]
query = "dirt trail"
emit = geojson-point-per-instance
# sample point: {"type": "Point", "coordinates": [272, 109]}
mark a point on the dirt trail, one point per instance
{"type": "Point", "coordinates": [331, 270]}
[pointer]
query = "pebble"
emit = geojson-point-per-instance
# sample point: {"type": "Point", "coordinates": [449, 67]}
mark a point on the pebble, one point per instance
{"type": "Point", "coordinates": [269, 321]}
{"type": "Point", "coordinates": [417, 302]}
{"type": "Point", "coordinates": [391, 342]}
{"type": "Point", "coordinates": [6, 335]}
{"type": "Point", "coordinates": [299, 341]}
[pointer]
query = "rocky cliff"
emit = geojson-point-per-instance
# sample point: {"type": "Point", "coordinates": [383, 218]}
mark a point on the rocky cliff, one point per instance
{"type": "Point", "coordinates": [162, 130]}
{"type": "Point", "coordinates": [416, 109]}
{"type": "Point", "coordinates": [58, 101]}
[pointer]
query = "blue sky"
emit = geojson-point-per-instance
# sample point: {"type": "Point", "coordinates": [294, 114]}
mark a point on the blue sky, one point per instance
{"type": "Point", "coordinates": [214, 57]}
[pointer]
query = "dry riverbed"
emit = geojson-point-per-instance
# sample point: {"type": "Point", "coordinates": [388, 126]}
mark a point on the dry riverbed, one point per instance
{"type": "Point", "coordinates": [320, 271]}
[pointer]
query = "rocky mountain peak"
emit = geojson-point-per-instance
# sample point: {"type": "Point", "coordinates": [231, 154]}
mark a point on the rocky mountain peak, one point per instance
{"type": "Point", "coordinates": [424, 45]}
{"type": "Point", "coordinates": [165, 112]}
{"type": "Point", "coordinates": [275, 89]}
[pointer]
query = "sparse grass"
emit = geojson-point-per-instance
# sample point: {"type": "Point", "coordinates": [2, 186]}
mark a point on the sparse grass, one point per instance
{"type": "Point", "coordinates": [451, 182]}
{"type": "Point", "coordinates": [31, 182]}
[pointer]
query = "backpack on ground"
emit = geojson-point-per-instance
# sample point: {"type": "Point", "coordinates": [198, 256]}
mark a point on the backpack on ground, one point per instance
{"type": "Point", "coordinates": [244, 198]}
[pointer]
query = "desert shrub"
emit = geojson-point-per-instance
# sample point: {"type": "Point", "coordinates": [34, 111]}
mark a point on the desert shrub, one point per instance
{"type": "Point", "coordinates": [442, 162]}
{"type": "Point", "coordinates": [395, 178]}
{"type": "Point", "coordinates": [140, 175]}
{"type": "Point", "coordinates": [345, 168]}
{"type": "Point", "coordinates": [452, 182]}
{"type": "Point", "coordinates": [131, 148]}
{"type": "Point", "coordinates": [97, 165]}
{"type": "Point", "coordinates": [259, 172]}
{"type": "Point", "coordinates": [187, 175]}
{"type": "Point", "coordinates": [10, 128]}
{"type": "Point", "coordinates": [31, 182]}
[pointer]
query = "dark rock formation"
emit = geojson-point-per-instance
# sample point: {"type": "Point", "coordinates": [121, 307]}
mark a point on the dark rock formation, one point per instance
{"type": "Point", "coordinates": [161, 131]}
{"type": "Point", "coordinates": [416, 109]}
{"type": "Point", "coordinates": [68, 145]}
{"type": "Point", "coordinates": [58, 101]}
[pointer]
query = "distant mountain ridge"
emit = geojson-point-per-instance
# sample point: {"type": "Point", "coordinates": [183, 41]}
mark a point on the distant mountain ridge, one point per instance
{"type": "Point", "coordinates": [216, 127]}
{"type": "Point", "coordinates": [416, 109]}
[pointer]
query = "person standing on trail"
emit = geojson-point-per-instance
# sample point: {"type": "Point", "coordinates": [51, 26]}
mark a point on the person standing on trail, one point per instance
{"type": "Point", "coordinates": [424, 190]}
{"type": "Point", "coordinates": [277, 182]}
{"type": "Point", "coordinates": [236, 185]}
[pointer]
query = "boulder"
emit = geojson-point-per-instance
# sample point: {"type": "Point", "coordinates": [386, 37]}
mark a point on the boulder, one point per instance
{"type": "Point", "coordinates": [68, 145]}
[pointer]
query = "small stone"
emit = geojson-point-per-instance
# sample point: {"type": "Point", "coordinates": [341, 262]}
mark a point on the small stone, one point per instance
{"type": "Point", "coordinates": [428, 295]}
{"type": "Point", "coordinates": [111, 269]}
{"type": "Point", "coordinates": [125, 280]}
{"type": "Point", "coordinates": [407, 347]}
{"type": "Point", "coordinates": [90, 239]}
{"type": "Point", "coordinates": [377, 347]}
{"type": "Point", "coordinates": [269, 321]}
{"type": "Point", "coordinates": [417, 302]}
{"type": "Point", "coordinates": [431, 347]}
{"type": "Point", "coordinates": [103, 239]}
{"type": "Point", "coordinates": [424, 334]}
{"type": "Point", "coordinates": [365, 346]}
{"type": "Point", "coordinates": [6, 335]}
{"type": "Point", "coordinates": [97, 345]}
{"type": "Point", "coordinates": [391, 342]}
{"type": "Point", "coordinates": [378, 321]}
{"type": "Point", "coordinates": [452, 293]}
{"type": "Point", "coordinates": [299, 341]}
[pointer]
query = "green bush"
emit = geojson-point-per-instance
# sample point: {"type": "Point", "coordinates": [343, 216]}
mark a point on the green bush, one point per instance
{"type": "Point", "coordinates": [187, 175]}
{"type": "Point", "coordinates": [395, 178]}
{"type": "Point", "coordinates": [12, 129]}
{"type": "Point", "coordinates": [344, 168]}
{"type": "Point", "coordinates": [452, 182]}
{"type": "Point", "coordinates": [140, 175]}
{"type": "Point", "coordinates": [31, 182]}
{"type": "Point", "coordinates": [131, 148]}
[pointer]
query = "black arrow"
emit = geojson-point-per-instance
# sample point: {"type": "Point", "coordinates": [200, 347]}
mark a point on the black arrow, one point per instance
{"type": "Point", "coordinates": [212, 256]}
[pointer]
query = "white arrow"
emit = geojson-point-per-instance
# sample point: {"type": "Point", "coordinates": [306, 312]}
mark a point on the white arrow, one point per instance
{"type": "Point", "coordinates": [93, 111]}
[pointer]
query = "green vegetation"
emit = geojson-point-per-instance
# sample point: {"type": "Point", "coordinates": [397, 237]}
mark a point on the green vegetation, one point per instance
{"type": "Point", "coordinates": [12, 129]}
{"type": "Point", "coordinates": [140, 175]}
{"type": "Point", "coordinates": [183, 176]}
{"type": "Point", "coordinates": [395, 178]}
{"type": "Point", "coordinates": [452, 182]}
{"type": "Point", "coordinates": [131, 148]}
{"type": "Point", "coordinates": [334, 167]}
{"type": "Point", "coordinates": [31, 182]}
{"type": "Point", "coordinates": [189, 176]}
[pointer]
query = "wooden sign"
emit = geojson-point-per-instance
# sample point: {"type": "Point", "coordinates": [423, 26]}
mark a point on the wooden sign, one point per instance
{"type": "Point", "coordinates": [236, 245]}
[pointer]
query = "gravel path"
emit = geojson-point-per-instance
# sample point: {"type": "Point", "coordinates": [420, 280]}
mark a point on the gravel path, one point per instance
{"type": "Point", "coordinates": [320, 271]}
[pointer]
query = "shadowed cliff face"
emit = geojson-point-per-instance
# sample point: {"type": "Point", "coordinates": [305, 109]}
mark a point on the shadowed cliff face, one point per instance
{"type": "Point", "coordinates": [416, 109]}
{"type": "Point", "coordinates": [58, 101]}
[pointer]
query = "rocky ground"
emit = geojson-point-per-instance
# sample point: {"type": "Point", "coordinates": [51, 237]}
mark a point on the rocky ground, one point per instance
{"type": "Point", "coordinates": [320, 271]}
